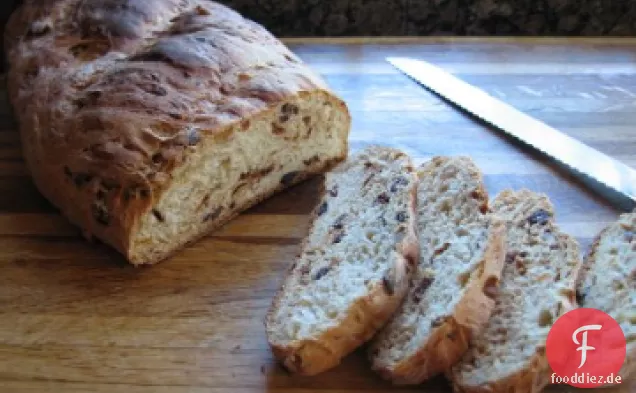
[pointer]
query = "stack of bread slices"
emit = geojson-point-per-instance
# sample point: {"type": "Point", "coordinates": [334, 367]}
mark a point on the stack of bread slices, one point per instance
{"type": "Point", "coordinates": [432, 277]}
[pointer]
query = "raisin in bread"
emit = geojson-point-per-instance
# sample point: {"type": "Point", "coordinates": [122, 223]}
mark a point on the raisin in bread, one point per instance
{"type": "Point", "coordinates": [608, 281]}
{"type": "Point", "coordinates": [150, 123]}
{"type": "Point", "coordinates": [450, 298]}
{"type": "Point", "coordinates": [353, 269]}
{"type": "Point", "coordinates": [537, 287]}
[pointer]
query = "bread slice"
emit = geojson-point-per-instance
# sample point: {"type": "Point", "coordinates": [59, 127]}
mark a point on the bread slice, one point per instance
{"type": "Point", "coordinates": [354, 265]}
{"type": "Point", "coordinates": [608, 281]}
{"type": "Point", "coordinates": [538, 286]}
{"type": "Point", "coordinates": [450, 297]}
{"type": "Point", "coordinates": [151, 123]}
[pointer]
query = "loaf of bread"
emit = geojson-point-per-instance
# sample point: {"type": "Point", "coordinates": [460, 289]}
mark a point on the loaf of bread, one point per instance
{"type": "Point", "coordinates": [608, 282]}
{"type": "Point", "coordinates": [451, 296]}
{"type": "Point", "coordinates": [149, 123]}
{"type": "Point", "coordinates": [537, 287]}
{"type": "Point", "coordinates": [354, 265]}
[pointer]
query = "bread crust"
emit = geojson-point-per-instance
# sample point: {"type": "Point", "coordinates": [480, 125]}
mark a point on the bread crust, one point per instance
{"type": "Point", "coordinates": [532, 379]}
{"type": "Point", "coordinates": [449, 341]}
{"type": "Point", "coordinates": [364, 317]}
{"type": "Point", "coordinates": [112, 97]}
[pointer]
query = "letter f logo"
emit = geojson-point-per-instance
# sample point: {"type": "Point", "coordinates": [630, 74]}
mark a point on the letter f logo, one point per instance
{"type": "Point", "coordinates": [570, 336]}
{"type": "Point", "coordinates": [583, 346]}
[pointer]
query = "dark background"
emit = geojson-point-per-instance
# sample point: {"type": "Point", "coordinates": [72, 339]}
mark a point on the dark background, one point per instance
{"type": "Point", "coordinates": [425, 17]}
{"type": "Point", "coordinates": [432, 17]}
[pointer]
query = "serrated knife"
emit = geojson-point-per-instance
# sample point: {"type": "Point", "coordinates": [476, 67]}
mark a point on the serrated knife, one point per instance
{"type": "Point", "coordinates": [561, 147]}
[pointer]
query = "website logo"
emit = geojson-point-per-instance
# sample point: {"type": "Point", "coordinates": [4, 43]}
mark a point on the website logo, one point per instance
{"type": "Point", "coordinates": [586, 348]}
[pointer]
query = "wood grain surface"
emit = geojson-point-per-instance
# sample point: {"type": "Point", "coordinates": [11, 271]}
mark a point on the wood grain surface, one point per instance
{"type": "Point", "coordinates": [75, 318]}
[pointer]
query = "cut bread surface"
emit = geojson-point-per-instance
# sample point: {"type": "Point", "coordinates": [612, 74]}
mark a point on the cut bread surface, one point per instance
{"type": "Point", "coordinates": [537, 287]}
{"type": "Point", "coordinates": [224, 177]}
{"type": "Point", "coordinates": [354, 264]}
{"type": "Point", "coordinates": [450, 297]}
{"type": "Point", "coordinates": [608, 281]}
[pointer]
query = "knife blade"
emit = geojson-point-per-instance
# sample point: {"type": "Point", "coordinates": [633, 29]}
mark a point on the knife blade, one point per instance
{"type": "Point", "coordinates": [550, 141]}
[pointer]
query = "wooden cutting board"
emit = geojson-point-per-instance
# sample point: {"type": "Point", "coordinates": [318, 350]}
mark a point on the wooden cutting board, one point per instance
{"type": "Point", "coordinates": [74, 317]}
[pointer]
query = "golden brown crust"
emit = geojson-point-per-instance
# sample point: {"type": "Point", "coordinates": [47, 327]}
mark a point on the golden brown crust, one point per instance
{"type": "Point", "coordinates": [448, 342]}
{"type": "Point", "coordinates": [532, 379]}
{"type": "Point", "coordinates": [112, 95]}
